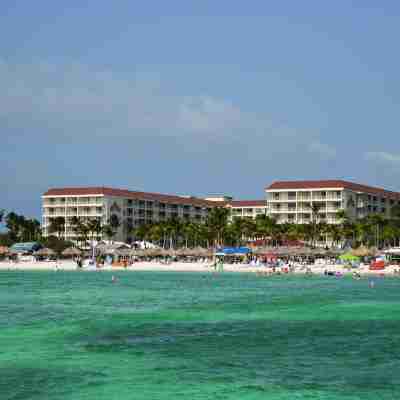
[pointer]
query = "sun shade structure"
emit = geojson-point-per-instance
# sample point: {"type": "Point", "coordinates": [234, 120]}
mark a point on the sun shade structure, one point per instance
{"type": "Point", "coordinates": [44, 252]}
{"type": "Point", "coordinates": [233, 251]}
{"type": "Point", "coordinates": [363, 251]}
{"type": "Point", "coordinates": [27, 247]}
{"type": "Point", "coordinates": [4, 250]}
{"type": "Point", "coordinates": [71, 252]}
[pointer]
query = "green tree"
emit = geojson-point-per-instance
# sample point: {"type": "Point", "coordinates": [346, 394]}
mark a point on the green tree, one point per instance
{"type": "Point", "coordinates": [114, 222]}
{"type": "Point", "coordinates": [217, 221]}
{"type": "Point", "coordinates": [57, 225]}
{"type": "Point", "coordinates": [14, 224]}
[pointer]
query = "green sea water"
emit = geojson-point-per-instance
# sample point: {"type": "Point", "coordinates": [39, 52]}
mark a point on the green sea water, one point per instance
{"type": "Point", "coordinates": [77, 335]}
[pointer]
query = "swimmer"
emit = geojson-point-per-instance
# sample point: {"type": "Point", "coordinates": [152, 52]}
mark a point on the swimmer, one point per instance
{"type": "Point", "coordinates": [371, 284]}
{"type": "Point", "coordinates": [113, 279]}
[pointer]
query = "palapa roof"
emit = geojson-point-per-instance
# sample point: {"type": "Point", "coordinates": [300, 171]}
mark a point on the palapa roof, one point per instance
{"type": "Point", "coordinates": [71, 251]}
{"type": "Point", "coordinates": [44, 252]}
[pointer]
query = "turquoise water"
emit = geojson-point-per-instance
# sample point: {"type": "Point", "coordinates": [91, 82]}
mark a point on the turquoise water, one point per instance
{"type": "Point", "coordinates": [76, 335]}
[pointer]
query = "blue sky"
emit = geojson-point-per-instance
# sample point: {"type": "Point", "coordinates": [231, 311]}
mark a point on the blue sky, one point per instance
{"type": "Point", "coordinates": [196, 97]}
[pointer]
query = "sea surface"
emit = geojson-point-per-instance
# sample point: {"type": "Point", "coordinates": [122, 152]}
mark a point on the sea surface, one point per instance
{"type": "Point", "coordinates": [165, 335]}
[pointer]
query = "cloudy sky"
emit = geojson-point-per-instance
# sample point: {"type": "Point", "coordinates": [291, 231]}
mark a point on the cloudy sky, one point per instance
{"type": "Point", "coordinates": [196, 97]}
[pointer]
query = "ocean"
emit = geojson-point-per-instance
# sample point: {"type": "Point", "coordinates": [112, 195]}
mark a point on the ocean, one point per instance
{"type": "Point", "coordinates": [165, 335]}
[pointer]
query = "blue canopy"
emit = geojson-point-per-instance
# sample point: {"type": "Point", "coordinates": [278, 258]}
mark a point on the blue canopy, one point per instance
{"type": "Point", "coordinates": [27, 247]}
{"type": "Point", "coordinates": [234, 250]}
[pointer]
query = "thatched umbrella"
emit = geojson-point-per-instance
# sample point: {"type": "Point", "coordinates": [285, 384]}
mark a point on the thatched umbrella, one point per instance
{"type": "Point", "coordinates": [71, 252]}
{"type": "Point", "coordinates": [4, 250]}
{"type": "Point", "coordinates": [152, 252]}
{"type": "Point", "coordinates": [363, 251]}
{"type": "Point", "coordinates": [138, 253]}
{"type": "Point", "coordinates": [122, 252]}
{"type": "Point", "coordinates": [208, 253]}
{"type": "Point", "coordinates": [319, 251]}
{"type": "Point", "coordinates": [44, 252]}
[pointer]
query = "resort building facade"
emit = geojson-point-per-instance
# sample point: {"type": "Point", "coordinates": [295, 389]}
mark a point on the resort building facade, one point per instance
{"type": "Point", "coordinates": [246, 208]}
{"type": "Point", "coordinates": [292, 201]}
{"type": "Point", "coordinates": [130, 208]}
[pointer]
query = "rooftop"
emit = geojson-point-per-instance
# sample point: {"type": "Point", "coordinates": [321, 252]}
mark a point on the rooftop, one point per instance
{"type": "Point", "coordinates": [92, 191]}
{"type": "Point", "coordinates": [332, 184]}
{"type": "Point", "coordinates": [247, 203]}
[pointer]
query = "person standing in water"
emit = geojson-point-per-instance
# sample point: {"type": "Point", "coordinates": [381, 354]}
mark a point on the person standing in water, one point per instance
{"type": "Point", "coordinates": [371, 284]}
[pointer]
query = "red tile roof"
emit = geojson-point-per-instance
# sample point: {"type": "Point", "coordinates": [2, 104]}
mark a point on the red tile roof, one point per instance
{"type": "Point", "coordinates": [91, 191]}
{"type": "Point", "coordinates": [323, 184]}
{"type": "Point", "coordinates": [247, 203]}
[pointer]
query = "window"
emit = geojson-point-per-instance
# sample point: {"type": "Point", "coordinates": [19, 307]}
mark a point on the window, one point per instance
{"type": "Point", "coordinates": [275, 196]}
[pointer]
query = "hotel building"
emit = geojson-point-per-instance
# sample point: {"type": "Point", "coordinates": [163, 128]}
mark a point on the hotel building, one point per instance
{"type": "Point", "coordinates": [246, 208]}
{"type": "Point", "coordinates": [291, 201]}
{"type": "Point", "coordinates": [131, 208]}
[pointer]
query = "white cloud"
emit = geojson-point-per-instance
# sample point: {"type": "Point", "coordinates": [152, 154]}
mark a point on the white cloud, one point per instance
{"type": "Point", "coordinates": [207, 114]}
{"type": "Point", "coordinates": [323, 150]}
{"type": "Point", "coordinates": [383, 157]}
{"type": "Point", "coordinates": [75, 100]}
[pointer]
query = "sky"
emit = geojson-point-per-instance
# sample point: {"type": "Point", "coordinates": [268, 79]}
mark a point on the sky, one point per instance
{"type": "Point", "coordinates": [196, 97]}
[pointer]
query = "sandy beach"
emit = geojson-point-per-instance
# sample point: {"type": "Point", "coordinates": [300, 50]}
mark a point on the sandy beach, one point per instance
{"type": "Point", "coordinates": [68, 265]}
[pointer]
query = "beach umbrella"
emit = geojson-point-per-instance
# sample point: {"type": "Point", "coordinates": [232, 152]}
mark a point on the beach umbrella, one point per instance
{"type": "Point", "coordinates": [122, 252]}
{"type": "Point", "coordinates": [319, 251]}
{"type": "Point", "coordinates": [200, 251]}
{"type": "Point", "coordinates": [44, 252]}
{"type": "Point", "coordinates": [152, 252]}
{"type": "Point", "coordinates": [4, 250]}
{"type": "Point", "coordinates": [71, 252]}
{"type": "Point", "coordinates": [183, 252]}
{"type": "Point", "coordinates": [363, 251]}
{"type": "Point", "coordinates": [208, 253]}
{"type": "Point", "coordinates": [138, 253]}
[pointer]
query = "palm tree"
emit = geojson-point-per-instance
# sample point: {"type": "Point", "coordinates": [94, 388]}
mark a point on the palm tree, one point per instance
{"type": "Point", "coordinates": [94, 228]}
{"type": "Point", "coordinates": [114, 223]}
{"type": "Point", "coordinates": [14, 224]}
{"type": "Point", "coordinates": [31, 230]}
{"type": "Point", "coordinates": [81, 229]}
{"type": "Point", "coordinates": [57, 225]}
{"type": "Point", "coordinates": [217, 221]}
{"type": "Point", "coordinates": [315, 231]}
{"type": "Point", "coordinates": [335, 233]}
{"type": "Point", "coordinates": [107, 231]}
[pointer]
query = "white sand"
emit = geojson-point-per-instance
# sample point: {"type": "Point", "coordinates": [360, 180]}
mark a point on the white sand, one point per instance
{"type": "Point", "coordinates": [187, 267]}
